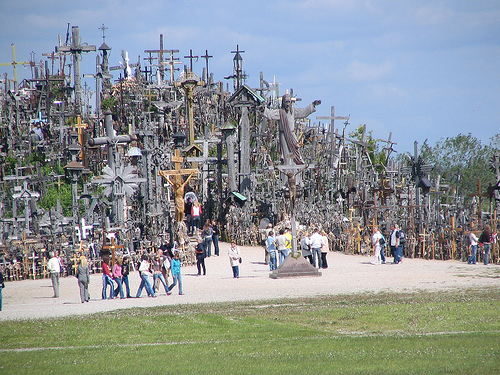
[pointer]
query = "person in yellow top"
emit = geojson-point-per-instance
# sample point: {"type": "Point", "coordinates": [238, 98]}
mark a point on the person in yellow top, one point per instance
{"type": "Point", "coordinates": [289, 238]}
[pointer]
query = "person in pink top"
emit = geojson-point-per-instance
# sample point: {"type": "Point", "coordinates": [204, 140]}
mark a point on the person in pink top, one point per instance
{"type": "Point", "coordinates": [118, 277]}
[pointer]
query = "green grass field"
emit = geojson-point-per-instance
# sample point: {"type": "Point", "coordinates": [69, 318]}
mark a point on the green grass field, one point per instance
{"type": "Point", "coordinates": [415, 333]}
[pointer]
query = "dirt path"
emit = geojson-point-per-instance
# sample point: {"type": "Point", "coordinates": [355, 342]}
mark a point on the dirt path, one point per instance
{"type": "Point", "coordinates": [346, 274]}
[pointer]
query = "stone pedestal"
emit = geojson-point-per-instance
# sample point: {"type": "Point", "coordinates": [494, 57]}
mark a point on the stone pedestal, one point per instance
{"type": "Point", "coordinates": [294, 266]}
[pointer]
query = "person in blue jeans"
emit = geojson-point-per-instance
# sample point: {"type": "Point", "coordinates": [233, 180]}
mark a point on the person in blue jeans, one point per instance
{"type": "Point", "coordinates": [235, 259]}
{"type": "Point", "coordinates": [125, 273]}
{"type": "Point", "coordinates": [271, 249]}
{"type": "Point", "coordinates": [215, 237]}
{"type": "Point", "coordinates": [107, 280]}
{"type": "Point", "coordinates": [157, 264]}
{"type": "Point", "coordinates": [485, 239]}
{"type": "Point", "coordinates": [473, 246]}
{"type": "Point", "coordinates": [207, 235]}
{"type": "Point", "coordinates": [176, 273]}
{"type": "Point", "coordinates": [144, 273]}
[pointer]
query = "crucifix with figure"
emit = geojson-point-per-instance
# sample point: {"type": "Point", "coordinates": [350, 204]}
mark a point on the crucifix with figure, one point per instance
{"type": "Point", "coordinates": [174, 178]}
{"type": "Point", "coordinates": [291, 172]}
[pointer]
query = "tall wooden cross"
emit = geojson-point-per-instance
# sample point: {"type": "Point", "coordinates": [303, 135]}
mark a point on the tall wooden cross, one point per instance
{"type": "Point", "coordinates": [160, 53]}
{"type": "Point", "coordinates": [76, 48]}
{"type": "Point", "coordinates": [188, 84]}
{"type": "Point", "coordinates": [191, 57]}
{"type": "Point", "coordinates": [174, 178]}
{"type": "Point", "coordinates": [206, 57]}
{"type": "Point", "coordinates": [291, 171]}
{"type": "Point", "coordinates": [113, 247]}
{"type": "Point", "coordinates": [80, 126]}
{"type": "Point", "coordinates": [15, 63]}
{"type": "Point", "coordinates": [453, 232]}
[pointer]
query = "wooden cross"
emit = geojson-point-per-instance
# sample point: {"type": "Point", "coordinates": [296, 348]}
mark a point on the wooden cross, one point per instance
{"type": "Point", "coordinates": [113, 247]}
{"type": "Point", "coordinates": [191, 57]}
{"type": "Point", "coordinates": [160, 53]}
{"type": "Point", "coordinates": [15, 63]}
{"type": "Point", "coordinates": [188, 84]}
{"type": "Point", "coordinates": [351, 230]}
{"type": "Point", "coordinates": [480, 196]}
{"type": "Point", "coordinates": [33, 259]}
{"type": "Point", "coordinates": [453, 230]}
{"type": "Point", "coordinates": [206, 57]}
{"type": "Point", "coordinates": [75, 262]}
{"type": "Point", "coordinates": [52, 56]}
{"type": "Point", "coordinates": [80, 126]}
{"type": "Point", "coordinates": [423, 235]}
{"type": "Point", "coordinates": [174, 178]}
{"type": "Point", "coordinates": [171, 63]}
{"type": "Point", "coordinates": [76, 48]}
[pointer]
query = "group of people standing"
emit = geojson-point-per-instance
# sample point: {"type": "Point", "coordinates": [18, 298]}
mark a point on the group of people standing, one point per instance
{"type": "Point", "coordinates": [396, 244]}
{"type": "Point", "coordinates": [314, 247]}
{"type": "Point", "coordinates": [485, 240]}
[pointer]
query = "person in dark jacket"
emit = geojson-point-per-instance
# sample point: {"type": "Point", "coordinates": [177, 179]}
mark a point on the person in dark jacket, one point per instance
{"type": "Point", "coordinates": [125, 273]}
{"type": "Point", "coordinates": [2, 285]}
{"type": "Point", "coordinates": [201, 254]}
{"type": "Point", "coordinates": [215, 237]}
{"type": "Point", "coordinates": [485, 241]}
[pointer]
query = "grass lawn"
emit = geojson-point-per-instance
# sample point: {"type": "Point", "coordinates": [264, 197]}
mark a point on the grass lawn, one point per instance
{"type": "Point", "coordinates": [414, 333]}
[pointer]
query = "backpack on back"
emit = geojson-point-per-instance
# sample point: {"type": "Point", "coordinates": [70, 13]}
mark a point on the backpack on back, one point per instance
{"type": "Point", "coordinates": [381, 241]}
{"type": "Point", "coordinates": [402, 239]}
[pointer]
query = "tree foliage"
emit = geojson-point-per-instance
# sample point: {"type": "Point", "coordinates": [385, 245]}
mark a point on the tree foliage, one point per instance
{"type": "Point", "coordinates": [462, 161]}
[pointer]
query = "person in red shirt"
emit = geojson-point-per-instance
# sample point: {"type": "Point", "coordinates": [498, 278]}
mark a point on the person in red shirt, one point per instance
{"type": "Point", "coordinates": [107, 279]}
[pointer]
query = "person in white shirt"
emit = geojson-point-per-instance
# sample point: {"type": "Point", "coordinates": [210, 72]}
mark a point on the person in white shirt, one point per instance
{"type": "Point", "coordinates": [54, 267]}
{"type": "Point", "coordinates": [376, 245]}
{"type": "Point", "coordinates": [317, 241]}
{"type": "Point", "coordinates": [473, 246]}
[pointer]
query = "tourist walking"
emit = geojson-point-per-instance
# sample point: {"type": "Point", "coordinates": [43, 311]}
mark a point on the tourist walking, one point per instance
{"type": "Point", "coordinates": [473, 246]}
{"type": "Point", "coordinates": [158, 277]}
{"type": "Point", "coordinates": [201, 254]}
{"type": "Point", "coordinates": [305, 247]}
{"type": "Point", "coordinates": [376, 237]}
{"type": "Point", "coordinates": [175, 266]}
{"type": "Point", "coordinates": [125, 273]}
{"type": "Point", "coordinates": [265, 235]}
{"type": "Point", "coordinates": [118, 277]}
{"type": "Point", "coordinates": [235, 259]}
{"type": "Point", "coordinates": [395, 244]}
{"type": "Point", "coordinates": [83, 276]}
{"type": "Point", "coordinates": [2, 285]}
{"type": "Point", "coordinates": [207, 235]}
{"type": "Point", "coordinates": [317, 242]}
{"type": "Point", "coordinates": [485, 240]}
{"type": "Point", "coordinates": [215, 237]}
{"type": "Point", "coordinates": [281, 241]}
{"type": "Point", "coordinates": [144, 273]}
{"type": "Point", "coordinates": [325, 247]}
{"type": "Point", "coordinates": [195, 217]}
{"type": "Point", "coordinates": [54, 266]}
{"type": "Point", "coordinates": [271, 250]}
{"type": "Point", "coordinates": [107, 280]}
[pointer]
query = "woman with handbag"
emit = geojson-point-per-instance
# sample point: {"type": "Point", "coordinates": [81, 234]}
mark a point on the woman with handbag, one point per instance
{"type": "Point", "coordinates": [235, 259]}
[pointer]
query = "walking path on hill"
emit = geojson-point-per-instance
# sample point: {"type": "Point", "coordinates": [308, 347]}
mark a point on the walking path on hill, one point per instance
{"type": "Point", "coordinates": [347, 274]}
